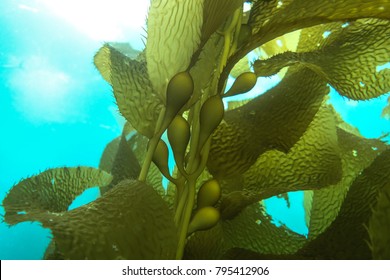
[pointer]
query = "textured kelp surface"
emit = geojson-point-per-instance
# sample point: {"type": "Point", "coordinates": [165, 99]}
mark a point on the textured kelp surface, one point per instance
{"type": "Point", "coordinates": [290, 138]}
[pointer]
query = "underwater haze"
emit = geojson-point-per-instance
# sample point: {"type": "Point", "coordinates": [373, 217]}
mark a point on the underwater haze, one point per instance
{"type": "Point", "coordinates": [56, 109]}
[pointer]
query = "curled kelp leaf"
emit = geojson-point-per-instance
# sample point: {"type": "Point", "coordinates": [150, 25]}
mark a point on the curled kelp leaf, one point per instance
{"type": "Point", "coordinates": [347, 236]}
{"type": "Point", "coordinates": [133, 91]}
{"type": "Point", "coordinates": [323, 205]}
{"type": "Point", "coordinates": [128, 222]}
{"type": "Point", "coordinates": [271, 19]}
{"type": "Point", "coordinates": [379, 226]}
{"type": "Point", "coordinates": [174, 34]}
{"type": "Point", "coordinates": [349, 62]}
{"type": "Point", "coordinates": [51, 191]}
{"type": "Point", "coordinates": [276, 120]}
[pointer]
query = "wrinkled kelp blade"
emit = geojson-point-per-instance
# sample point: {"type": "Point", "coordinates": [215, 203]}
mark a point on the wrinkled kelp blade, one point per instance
{"type": "Point", "coordinates": [275, 120]}
{"type": "Point", "coordinates": [312, 163]}
{"type": "Point", "coordinates": [131, 221]}
{"type": "Point", "coordinates": [275, 18]}
{"type": "Point", "coordinates": [252, 230]}
{"type": "Point", "coordinates": [51, 191]}
{"type": "Point", "coordinates": [347, 237]}
{"type": "Point", "coordinates": [174, 33]}
{"type": "Point", "coordinates": [349, 61]}
{"type": "Point", "coordinates": [357, 153]}
{"type": "Point", "coordinates": [133, 91]}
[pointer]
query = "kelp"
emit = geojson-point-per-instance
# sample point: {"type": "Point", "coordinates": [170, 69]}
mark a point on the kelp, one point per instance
{"type": "Point", "coordinates": [349, 61]}
{"type": "Point", "coordinates": [51, 191]}
{"type": "Point", "coordinates": [227, 162]}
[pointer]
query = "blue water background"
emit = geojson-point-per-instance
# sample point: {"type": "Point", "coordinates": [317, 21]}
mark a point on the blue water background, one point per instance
{"type": "Point", "coordinates": [56, 110]}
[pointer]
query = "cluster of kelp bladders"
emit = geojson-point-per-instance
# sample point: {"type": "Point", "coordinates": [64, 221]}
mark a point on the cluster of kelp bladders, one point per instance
{"type": "Point", "coordinates": [191, 164]}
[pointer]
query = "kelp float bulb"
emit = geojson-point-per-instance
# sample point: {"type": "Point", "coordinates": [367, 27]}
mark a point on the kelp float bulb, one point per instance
{"type": "Point", "coordinates": [204, 218]}
{"type": "Point", "coordinates": [179, 136]}
{"type": "Point", "coordinates": [179, 91]}
{"type": "Point", "coordinates": [211, 115]}
{"type": "Point", "coordinates": [160, 158]}
{"type": "Point", "coordinates": [243, 83]}
{"type": "Point", "coordinates": [208, 194]}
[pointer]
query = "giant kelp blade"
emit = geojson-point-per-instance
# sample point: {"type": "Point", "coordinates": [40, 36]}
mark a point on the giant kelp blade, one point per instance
{"type": "Point", "coordinates": [131, 221]}
{"type": "Point", "coordinates": [357, 153]}
{"type": "Point", "coordinates": [275, 18]}
{"type": "Point", "coordinates": [312, 163]}
{"type": "Point", "coordinates": [207, 245]}
{"type": "Point", "coordinates": [251, 230]}
{"type": "Point", "coordinates": [275, 120]}
{"type": "Point", "coordinates": [108, 157]}
{"type": "Point", "coordinates": [215, 12]}
{"type": "Point", "coordinates": [347, 237]}
{"type": "Point", "coordinates": [174, 32]}
{"type": "Point", "coordinates": [379, 226]}
{"type": "Point", "coordinates": [348, 60]}
{"type": "Point", "coordinates": [51, 191]}
{"type": "Point", "coordinates": [133, 91]}
{"type": "Point", "coordinates": [124, 163]}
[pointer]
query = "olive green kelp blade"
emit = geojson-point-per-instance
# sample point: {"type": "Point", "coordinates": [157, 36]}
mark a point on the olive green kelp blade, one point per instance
{"type": "Point", "coordinates": [274, 120]}
{"type": "Point", "coordinates": [347, 237]}
{"type": "Point", "coordinates": [215, 12]}
{"type": "Point", "coordinates": [131, 221]}
{"type": "Point", "coordinates": [312, 163]}
{"type": "Point", "coordinates": [51, 191]}
{"type": "Point", "coordinates": [174, 34]}
{"type": "Point", "coordinates": [252, 230]}
{"type": "Point", "coordinates": [271, 19]}
{"type": "Point", "coordinates": [348, 59]}
{"type": "Point", "coordinates": [322, 206]}
{"type": "Point", "coordinates": [133, 91]}
{"type": "Point", "coordinates": [379, 226]}
{"type": "Point", "coordinates": [124, 163]}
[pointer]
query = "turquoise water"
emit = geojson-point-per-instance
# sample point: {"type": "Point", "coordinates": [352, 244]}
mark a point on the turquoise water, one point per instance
{"type": "Point", "coordinates": [56, 110]}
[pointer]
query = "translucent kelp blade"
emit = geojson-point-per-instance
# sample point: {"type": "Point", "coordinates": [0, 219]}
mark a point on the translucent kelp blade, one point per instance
{"type": "Point", "coordinates": [275, 120]}
{"type": "Point", "coordinates": [357, 153]}
{"type": "Point", "coordinates": [253, 230]}
{"type": "Point", "coordinates": [215, 12]}
{"type": "Point", "coordinates": [133, 91]}
{"type": "Point", "coordinates": [271, 19]}
{"type": "Point", "coordinates": [174, 34]}
{"type": "Point", "coordinates": [109, 153]}
{"type": "Point", "coordinates": [348, 62]}
{"type": "Point", "coordinates": [125, 165]}
{"type": "Point", "coordinates": [347, 237]}
{"type": "Point", "coordinates": [379, 226]}
{"type": "Point", "coordinates": [312, 163]}
{"type": "Point", "coordinates": [131, 221]}
{"type": "Point", "coordinates": [51, 191]}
